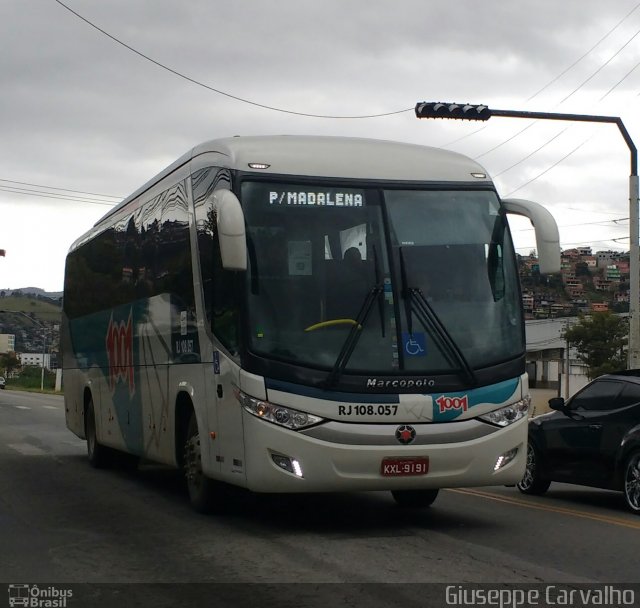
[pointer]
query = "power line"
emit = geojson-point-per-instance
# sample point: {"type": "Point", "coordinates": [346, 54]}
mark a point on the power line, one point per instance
{"type": "Point", "coordinates": [218, 91]}
{"type": "Point", "coordinates": [599, 212]}
{"type": "Point", "coordinates": [551, 167]}
{"type": "Point", "coordinates": [600, 68]}
{"type": "Point", "coordinates": [617, 84]}
{"type": "Point", "coordinates": [28, 192]}
{"type": "Point", "coordinates": [10, 181]}
{"type": "Point", "coordinates": [600, 223]}
{"type": "Point", "coordinates": [577, 61]}
{"type": "Point", "coordinates": [552, 81]}
{"type": "Point", "coordinates": [544, 145]}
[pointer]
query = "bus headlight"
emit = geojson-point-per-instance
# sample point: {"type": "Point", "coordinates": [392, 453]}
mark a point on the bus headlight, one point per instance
{"type": "Point", "coordinates": [278, 414]}
{"type": "Point", "coordinates": [509, 414]}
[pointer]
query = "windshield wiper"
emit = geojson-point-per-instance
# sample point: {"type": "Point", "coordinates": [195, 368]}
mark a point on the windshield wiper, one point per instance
{"type": "Point", "coordinates": [376, 268]}
{"type": "Point", "coordinates": [416, 303]}
{"type": "Point", "coordinates": [354, 335]}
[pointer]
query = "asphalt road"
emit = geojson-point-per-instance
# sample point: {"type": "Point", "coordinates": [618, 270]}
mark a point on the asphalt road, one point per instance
{"type": "Point", "coordinates": [63, 522]}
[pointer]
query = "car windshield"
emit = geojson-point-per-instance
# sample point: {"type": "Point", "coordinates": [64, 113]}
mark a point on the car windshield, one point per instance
{"type": "Point", "coordinates": [320, 254]}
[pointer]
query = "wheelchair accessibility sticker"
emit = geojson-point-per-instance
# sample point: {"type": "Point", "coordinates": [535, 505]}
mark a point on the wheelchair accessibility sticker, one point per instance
{"type": "Point", "coordinates": [415, 344]}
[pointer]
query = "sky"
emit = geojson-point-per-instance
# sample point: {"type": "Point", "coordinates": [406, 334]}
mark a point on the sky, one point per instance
{"type": "Point", "coordinates": [98, 97]}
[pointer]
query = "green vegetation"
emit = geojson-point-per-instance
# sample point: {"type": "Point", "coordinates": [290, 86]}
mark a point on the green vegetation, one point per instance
{"type": "Point", "coordinates": [29, 313]}
{"type": "Point", "coordinates": [8, 362]}
{"type": "Point", "coordinates": [30, 378]}
{"type": "Point", "coordinates": [601, 341]}
{"type": "Point", "coordinates": [43, 310]}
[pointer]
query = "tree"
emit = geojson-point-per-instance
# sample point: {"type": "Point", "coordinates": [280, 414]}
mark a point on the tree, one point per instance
{"type": "Point", "coordinates": [582, 270]}
{"type": "Point", "coordinates": [601, 341]}
{"type": "Point", "coordinates": [8, 362]}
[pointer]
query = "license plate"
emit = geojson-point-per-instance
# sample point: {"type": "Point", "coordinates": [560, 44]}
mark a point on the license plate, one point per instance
{"type": "Point", "coordinates": [399, 467]}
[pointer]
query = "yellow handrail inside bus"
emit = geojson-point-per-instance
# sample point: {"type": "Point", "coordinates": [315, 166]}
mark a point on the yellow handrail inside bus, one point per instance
{"type": "Point", "coordinates": [331, 323]}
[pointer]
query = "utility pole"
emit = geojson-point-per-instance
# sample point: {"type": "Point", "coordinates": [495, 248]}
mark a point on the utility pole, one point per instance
{"type": "Point", "coordinates": [480, 112]}
{"type": "Point", "coordinates": [568, 366]}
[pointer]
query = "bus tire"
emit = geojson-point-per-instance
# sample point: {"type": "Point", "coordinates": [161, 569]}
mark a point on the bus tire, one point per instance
{"type": "Point", "coordinates": [415, 499]}
{"type": "Point", "coordinates": [99, 455]}
{"type": "Point", "coordinates": [201, 489]}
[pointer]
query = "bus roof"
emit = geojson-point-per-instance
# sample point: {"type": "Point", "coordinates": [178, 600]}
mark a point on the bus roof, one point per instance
{"type": "Point", "coordinates": [343, 157]}
{"type": "Point", "coordinates": [326, 156]}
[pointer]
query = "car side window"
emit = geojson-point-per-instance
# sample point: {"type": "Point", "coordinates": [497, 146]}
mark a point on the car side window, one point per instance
{"type": "Point", "coordinates": [601, 395]}
{"type": "Point", "coordinates": [630, 395]}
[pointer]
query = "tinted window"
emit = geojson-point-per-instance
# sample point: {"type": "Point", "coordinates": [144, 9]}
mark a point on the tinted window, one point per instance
{"type": "Point", "coordinates": [600, 395]}
{"type": "Point", "coordinates": [144, 254]}
{"type": "Point", "coordinates": [630, 395]}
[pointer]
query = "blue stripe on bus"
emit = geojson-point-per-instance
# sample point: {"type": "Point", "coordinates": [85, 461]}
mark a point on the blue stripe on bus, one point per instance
{"type": "Point", "coordinates": [318, 393]}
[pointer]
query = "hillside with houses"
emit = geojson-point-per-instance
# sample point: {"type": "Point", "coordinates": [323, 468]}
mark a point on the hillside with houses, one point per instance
{"type": "Point", "coordinates": [588, 282]}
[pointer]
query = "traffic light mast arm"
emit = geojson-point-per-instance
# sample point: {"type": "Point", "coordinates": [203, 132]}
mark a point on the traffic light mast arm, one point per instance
{"type": "Point", "coordinates": [577, 118]}
{"type": "Point", "coordinates": [460, 111]}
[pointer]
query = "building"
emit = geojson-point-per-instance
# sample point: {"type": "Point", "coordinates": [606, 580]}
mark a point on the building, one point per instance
{"type": "Point", "coordinates": [548, 360]}
{"type": "Point", "coordinates": [35, 359]}
{"type": "Point", "coordinates": [607, 258]}
{"type": "Point", "coordinates": [7, 343]}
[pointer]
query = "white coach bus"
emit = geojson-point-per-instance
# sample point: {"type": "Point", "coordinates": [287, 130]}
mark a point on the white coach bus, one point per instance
{"type": "Point", "coordinates": [305, 314]}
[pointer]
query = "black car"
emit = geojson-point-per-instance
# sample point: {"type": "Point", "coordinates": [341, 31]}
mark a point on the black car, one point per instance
{"type": "Point", "coordinates": [593, 439]}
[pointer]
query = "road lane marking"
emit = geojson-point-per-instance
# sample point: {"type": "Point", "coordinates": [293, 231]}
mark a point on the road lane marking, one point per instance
{"type": "Point", "coordinates": [551, 509]}
{"type": "Point", "coordinates": [22, 407]}
{"type": "Point", "coordinates": [26, 449]}
{"type": "Point", "coordinates": [50, 407]}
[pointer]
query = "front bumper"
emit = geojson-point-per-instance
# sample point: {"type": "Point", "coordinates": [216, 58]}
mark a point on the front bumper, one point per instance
{"type": "Point", "coordinates": [329, 466]}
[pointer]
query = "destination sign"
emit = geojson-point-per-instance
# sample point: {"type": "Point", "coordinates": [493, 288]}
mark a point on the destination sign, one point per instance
{"type": "Point", "coordinates": [331, 197]}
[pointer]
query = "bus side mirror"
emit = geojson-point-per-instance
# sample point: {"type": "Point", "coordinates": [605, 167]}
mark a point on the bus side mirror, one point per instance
{"type": "Point", "coordinates": [547, 235]}
{"type": "Point", "coordinates": [231, 231]}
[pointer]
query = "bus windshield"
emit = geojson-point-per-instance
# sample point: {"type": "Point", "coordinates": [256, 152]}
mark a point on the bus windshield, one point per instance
{"type": "Point", "coordinates": [423, 279]}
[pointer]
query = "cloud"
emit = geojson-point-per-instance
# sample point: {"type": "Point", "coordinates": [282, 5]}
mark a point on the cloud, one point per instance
{"type": "Point", "coordinates": [81, 111]}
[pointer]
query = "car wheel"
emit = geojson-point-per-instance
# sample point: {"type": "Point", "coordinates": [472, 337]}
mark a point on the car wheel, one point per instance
{"type": "Point", "coordinates": [632, 482]}
{"type": "Point", "coordinates": [414, 498]}
{"type": "Point", "coordinates": [532, 482]}
{"type": "Point", "coordinates": [99, 455]}
{"type": "Point", "coordinates": [201, 489]}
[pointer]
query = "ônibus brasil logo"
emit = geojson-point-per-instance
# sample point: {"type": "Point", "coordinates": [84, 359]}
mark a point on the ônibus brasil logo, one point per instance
{"type": "Point", "coordinates": [119, 342]}
{"type": "Point", "coordinates": [453, 403]}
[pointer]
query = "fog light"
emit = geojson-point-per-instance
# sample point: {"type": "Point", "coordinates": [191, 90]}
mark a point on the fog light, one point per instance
{"type": "Point", "coordinates": [291, 465]}
{"type": "Point", "coordinates": [505, 459]}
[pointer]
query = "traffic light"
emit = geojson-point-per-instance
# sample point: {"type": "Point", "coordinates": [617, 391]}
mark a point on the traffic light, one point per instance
{"type": "Point", "coordinates": [440, 109]}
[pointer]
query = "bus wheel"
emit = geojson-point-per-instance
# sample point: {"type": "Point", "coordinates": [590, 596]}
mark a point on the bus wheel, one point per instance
{"type": "Point", "coordinates": [414, 498]}
{"type": "Point", "coordinates": [99, 455]}
{"type": "Point", "coordinates": [200, 487]}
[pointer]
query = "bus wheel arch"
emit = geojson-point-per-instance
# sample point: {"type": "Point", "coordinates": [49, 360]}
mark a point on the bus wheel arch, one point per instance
{"type": "Point", "coordinates": [183, 412]}
{"type": "Point", "coordinates": [99, 455]}
{"type": "Point", "coordinates": [200, 488]}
